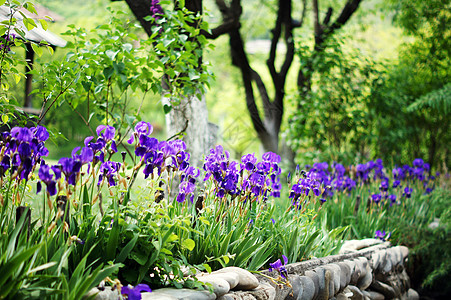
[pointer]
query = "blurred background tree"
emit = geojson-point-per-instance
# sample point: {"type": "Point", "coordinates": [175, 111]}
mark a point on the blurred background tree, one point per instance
{"type": "Point", "coordinates": [373, 88]}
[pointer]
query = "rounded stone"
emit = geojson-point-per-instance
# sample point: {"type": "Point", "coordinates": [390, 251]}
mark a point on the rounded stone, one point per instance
{"type": "Point", "coordinates": [336, 273]}
{"type": "Point", "coordinates": [359, 270]}
{"type": "Point", "coordinates": [341, 296]}
{"type": "Point", "coordinates": [220, 286]}
{"type": "Point", "coordinates": [384, 289]}
{"type": "Point", "coordinates": [345, 274]}
{"type": "Point", "coordinates": [365, 281]}
{"type": "Point", "coordinates": [412, 295]}
{"type": "Point", "coordinates": [374, 295]}
{"type": "Point", "coordinates": [247, 281]}
{"type": "Point", "coordinates": [323, 283]}
{"type": "Point", "coordinates": [356, 293]}
{"type": "Point", "coordinates": [404, 252]}
{"type": "Point", "coordinates": [232, 278]}
{"type": "Point", "coordinates": [365, 264]}
{"type": "Point", "coordinates": [171, 293]}
{"type": "Point", "coordinates": [315, 278]}
{"type": "Point", "coordinates": [308, 288]}
{"type": "Point", "coordinates": [105, 293]}
{"type": "Point", "coordinates": [376, 260]}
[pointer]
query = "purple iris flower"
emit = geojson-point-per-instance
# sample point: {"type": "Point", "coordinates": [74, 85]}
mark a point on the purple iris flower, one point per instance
{"type": "Point", "coordinates": [142, 128]}
{"type": "Point", "coordinates": [384, 185]}
{"type": "Point", "coordinates": [376, 198]}
{"type": "Point", "coordinates": [46, 177]}
{"type": "Point", "coordinates": [396, 183]}
{"type": "Point", "coordinates": [418, 162]}
{"type": "Point", "coordinates": [106, 131]}
{"type": "Point", "coordinates": [428, 191]}
{"type": "Point", "coordinates": [407, 192]}
{"type": "Point", "coordinates": [278, 266]}
{"type": "Point", "coordinates": [108, 170]}
{"type": "Point", "coordinates": [22, 134]}
{"type": "Point", "coordinates": [70, 167]}
{"type": "Point", "coordinates": [248, 162]}
{"type": "Point", "coordinates": [86, 155]}
{"type": "Point", "coordinates": [134, 293]}
{"type": "Point", "coordinates": [382, 235]}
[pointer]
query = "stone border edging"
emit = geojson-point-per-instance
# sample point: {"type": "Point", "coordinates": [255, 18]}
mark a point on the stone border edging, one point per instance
{"type": "Point", "coordinates": [365, 270]}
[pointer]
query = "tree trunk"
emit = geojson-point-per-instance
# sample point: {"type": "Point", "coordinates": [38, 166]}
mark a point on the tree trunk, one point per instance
{"type": "Point", "coordinates": [191, 118]}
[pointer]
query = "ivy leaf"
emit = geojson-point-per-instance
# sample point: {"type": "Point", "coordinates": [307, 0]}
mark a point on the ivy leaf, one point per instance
{"type": "Point", "coordinates": [167, 108]}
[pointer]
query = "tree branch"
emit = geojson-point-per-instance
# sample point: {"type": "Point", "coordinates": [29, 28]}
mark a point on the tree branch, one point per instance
{"type": "Point", "coordinates": [348, 10]}
{"type": "Point", "coordinates": [328, 15]}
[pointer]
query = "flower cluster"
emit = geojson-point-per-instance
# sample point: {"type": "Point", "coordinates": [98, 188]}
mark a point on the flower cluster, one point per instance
{"type": "Point", "coordinates": [7, 41]}
{"type": "Point", "coordinates": [156, 10]}
{"type": "Point", "coordinates": [251, 178]}
{"type": "Point", "coordinates": [261, 178]}
{"type": "Point", "coordinates": [21, 151]}
{"type": "Point", "coordinates": [158, 155]}
{"type": "Point", "coordinates": [318, 181]}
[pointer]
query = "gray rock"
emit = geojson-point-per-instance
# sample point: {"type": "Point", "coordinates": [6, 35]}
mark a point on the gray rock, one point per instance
{"type": "Point", "coordinates": [315, 278]}
{"type": "Point", "coordinates": [296, 287]}
{"type": "Point", "coordinates": [412, 295]}
{"type": "Point", "coordinates": [376, 260]}
{"type": "Point", "coordinates": [355, 245]}
{"type": "Point", "coordinates": [345, 274]}
{"type": "Point", "coordinates": [232, 278]}
{"type": "Point", "coordinates": [356, 293]}
{"type": "Point", "coordinates": [303, 288]}
{"type": "Point", "coordinates": [365, 265]}
{"type": "Point", "coordinates": [336, 276]}
{"type": "Point", "coordinates": [324, 276]}
{"type": "Point", "coordinates": [247, 281]}
{"type": "Point", "coordinates": [105, 293]}
{"type": "Point", "coordinates": [341, 296]}
{"type": "Point", "coordinates": [388, 265]}
{"type": "Point", "coordinates": [365, 281]}
{"type": "Point", "coordinates": [383, 288]}
{"type": "Point", "coordinates": [158, 296]}
{"type": "Point", "coordinates": [309, 288]}
{"type": "Point", "coordinates": [228, 297]}
{"type": "Point", "coordinates": [356, 271]}
{"type": "Point", "coordinates": [264, 291]}
{"type": "Point", "coordinates": [220, 285]}
{"type": "Point", "coordinates": [404, 252]}
{"type": "Point", "coordinates": [374, 295]}
{"type": "Point", "coordinates": [237, 295]}
{"type": "Point", "coordinates": [181, 294]}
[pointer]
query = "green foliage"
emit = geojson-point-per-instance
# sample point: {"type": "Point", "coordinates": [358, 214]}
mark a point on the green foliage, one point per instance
{"type": "Point", "coordinates": [12, 34]}
{"type": "Point", "coordinates": [333, 121]}
{"type": "Point", "coordinates": [438, 100]}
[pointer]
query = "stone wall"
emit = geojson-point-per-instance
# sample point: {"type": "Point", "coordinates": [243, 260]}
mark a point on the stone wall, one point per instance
{"type": "Point", "coordinates": [364, 269]}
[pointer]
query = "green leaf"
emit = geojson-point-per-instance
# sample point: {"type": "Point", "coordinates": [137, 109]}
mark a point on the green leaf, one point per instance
{"type": "Point", "coordinates": [111, 54]}
{"type": "Point", "coordinates": [37, 49]}
{"type": "Point", "coordinates": [44, 24]}
{"type": "Point", "coordinates": [167, 108]}
{"type": "Point", "coordinates": [127, 249]}
{"type": "Point", "coordinates": [207, 268]}
{"type": "Point", "coordinates": [188, 244]}
{"type": "Point", "coordinates": [5, 118]}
